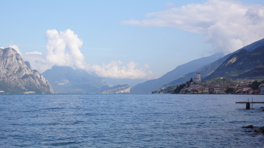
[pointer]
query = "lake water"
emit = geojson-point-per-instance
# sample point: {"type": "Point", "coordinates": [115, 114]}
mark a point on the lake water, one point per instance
{"type": "Point", "coordinates": [129, 121]}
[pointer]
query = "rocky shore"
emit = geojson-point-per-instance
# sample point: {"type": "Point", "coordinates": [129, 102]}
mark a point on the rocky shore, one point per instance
{"type": "Point", "coordinates": [256, 130]}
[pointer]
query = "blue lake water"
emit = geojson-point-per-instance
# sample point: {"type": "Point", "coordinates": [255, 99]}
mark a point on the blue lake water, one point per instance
{"type": "Point", "coordinates": [129, 121]}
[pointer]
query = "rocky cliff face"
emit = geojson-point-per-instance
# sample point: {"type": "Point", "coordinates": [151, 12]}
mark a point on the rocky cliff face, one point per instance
{"type": "Point", "coordinates": [17, 77]}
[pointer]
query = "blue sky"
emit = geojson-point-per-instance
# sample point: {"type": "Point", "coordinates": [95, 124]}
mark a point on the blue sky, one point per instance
{"type": "Point", "coordinates": [122, 39]}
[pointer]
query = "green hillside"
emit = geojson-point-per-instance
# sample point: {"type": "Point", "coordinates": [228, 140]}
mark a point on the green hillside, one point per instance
{"type": "Point", "coordinates": [243, 64]}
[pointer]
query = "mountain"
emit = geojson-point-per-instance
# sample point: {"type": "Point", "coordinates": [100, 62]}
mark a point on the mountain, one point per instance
{"type": "Point", "coordinates": [210, 68]}
{"type": "Point", "coordinates": [179, 71]}
{"type": "Point", "coordinates": [253, 46]}
{"type": "Point", "coordinates": [117, 89]}
{"type": "Point", "coordinates": [205, 71]}
{"type": "Point", "coordinates": [65, 79]}
{"type": "Point", "coordinates": [116, 81]}
{"type": "Point", "coordinates": [17, 77]}
{"type": "Point", "coordinates": [242, 64]}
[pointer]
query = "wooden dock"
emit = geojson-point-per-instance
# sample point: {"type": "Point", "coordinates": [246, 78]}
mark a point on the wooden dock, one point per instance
{"type": "Point", "coordinates": [248, 103]}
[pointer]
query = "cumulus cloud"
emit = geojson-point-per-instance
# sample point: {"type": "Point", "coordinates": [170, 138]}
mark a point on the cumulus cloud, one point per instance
{"type": "Point", "coordinates": [116, 70]}
{"type": "Point", "coordinates": [16, 48]}
{"type": "Point", "coordinates": [227, 24]}
{"type": "Point", "coordinates": [63, 49]}
{"type": "Point", "coordinates": [57, 45]}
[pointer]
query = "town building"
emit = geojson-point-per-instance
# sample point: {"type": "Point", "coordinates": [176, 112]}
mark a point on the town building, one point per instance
{"type": "Point", "coordinates": [194, 91]}
{"type": "Point", "coordinates": [247, 90]}
{"type": "Point", "coordinates": [218, 90]}
{"type": "Point", "coordinates": [206, 90]}
{"type": "Point", "coordinates": [220, 87]}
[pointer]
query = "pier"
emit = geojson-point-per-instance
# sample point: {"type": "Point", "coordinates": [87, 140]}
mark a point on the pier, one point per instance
{"type": "Point", "coordinates": [248, 103]}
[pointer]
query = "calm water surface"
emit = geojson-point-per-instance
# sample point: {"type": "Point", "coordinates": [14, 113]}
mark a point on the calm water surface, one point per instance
{"type": "Point", "coordinates": [128, 121]}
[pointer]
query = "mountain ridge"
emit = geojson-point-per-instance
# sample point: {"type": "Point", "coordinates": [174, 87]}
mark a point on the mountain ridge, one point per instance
{"type": "Point", "coordinates": [179, 71]}
{"type": "Point", "coordinates": [17, 77]}
{"type": "Point", "coordinates": [65, 79]}
{"type": "Point", "coordinates": [242, 64]}
{"type": "Point", "coordinates": [210, 68]}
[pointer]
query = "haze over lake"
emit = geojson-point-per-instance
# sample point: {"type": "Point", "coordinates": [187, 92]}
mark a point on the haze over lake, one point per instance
{"type": "Point", "coordinates": [128, 121]}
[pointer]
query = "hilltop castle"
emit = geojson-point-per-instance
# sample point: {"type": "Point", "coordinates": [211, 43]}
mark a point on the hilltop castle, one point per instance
{"type": "Point", "coordinates": [197, 80]}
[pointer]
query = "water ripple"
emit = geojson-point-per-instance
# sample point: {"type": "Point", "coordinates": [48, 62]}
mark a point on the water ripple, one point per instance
{"type": "Point", "coordinates": [128, 121]}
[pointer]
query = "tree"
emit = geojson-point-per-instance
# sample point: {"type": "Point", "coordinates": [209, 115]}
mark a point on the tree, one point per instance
{"type": "Point", "coordinates": [178, 89]}
{"type": "Point", "coordinates": [255, 85]}
{"type": "Point", "coordinates": [230, 90]}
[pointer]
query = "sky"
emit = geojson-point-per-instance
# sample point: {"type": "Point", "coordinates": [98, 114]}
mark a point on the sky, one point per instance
{"type": "Point", "coordinates": [127, 39]}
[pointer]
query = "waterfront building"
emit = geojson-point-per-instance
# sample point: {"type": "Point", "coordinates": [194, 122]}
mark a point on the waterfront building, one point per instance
{"type": "Point", "coordinates": [219, 90]}
{"type": "Point", "coordinates": [194, 91]}
{"type": "Point", "coordinates": [206, 90]}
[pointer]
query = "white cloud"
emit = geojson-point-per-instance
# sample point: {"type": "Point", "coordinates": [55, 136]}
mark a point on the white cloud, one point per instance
{"type": "Point", "coordinates": [59, 43]}
{"type": "Point", "coordinates": [1, 47]}
{"type": "Point", "coordinates": [63, 49]}
{"type": "Point", "coordinates": [227, 25]}
{"type": "Point", "coordinates": [116, 70]}
{"type": "Point", "coordinates": [34, 52]}
{"type": "Point", "coordinates": [37, 61]}
{"type": "Point", "coordinates": [16, 48]}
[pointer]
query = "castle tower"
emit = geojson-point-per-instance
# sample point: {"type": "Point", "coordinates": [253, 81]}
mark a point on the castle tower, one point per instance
{"type": "Point", "coordinates": [199, 76]}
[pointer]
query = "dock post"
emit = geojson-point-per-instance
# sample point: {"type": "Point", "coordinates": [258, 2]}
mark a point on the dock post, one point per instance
{"type": "Point", "coordinates": [252, 103]}
{"type": "Point", "coordinates": [247, 105]}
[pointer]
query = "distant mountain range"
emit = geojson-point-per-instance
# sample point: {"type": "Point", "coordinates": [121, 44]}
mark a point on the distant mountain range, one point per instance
{"type": "Point", "coordinates": [205, 71]}
{"type": "Point", "coordinates": [17, 77]}
{"type": "Point", "coordinates": [117, 89]}
{"type": "Point", "coordinates": [116, 81]}
{"type": "Point", "coordinates": [247, 62]}
{"type": "Point", "coordinates": [179, 71]}
{"type": "Point", "coordinates": [65, 79]}
{"type": "Point", "coordinates": [214, 70]}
